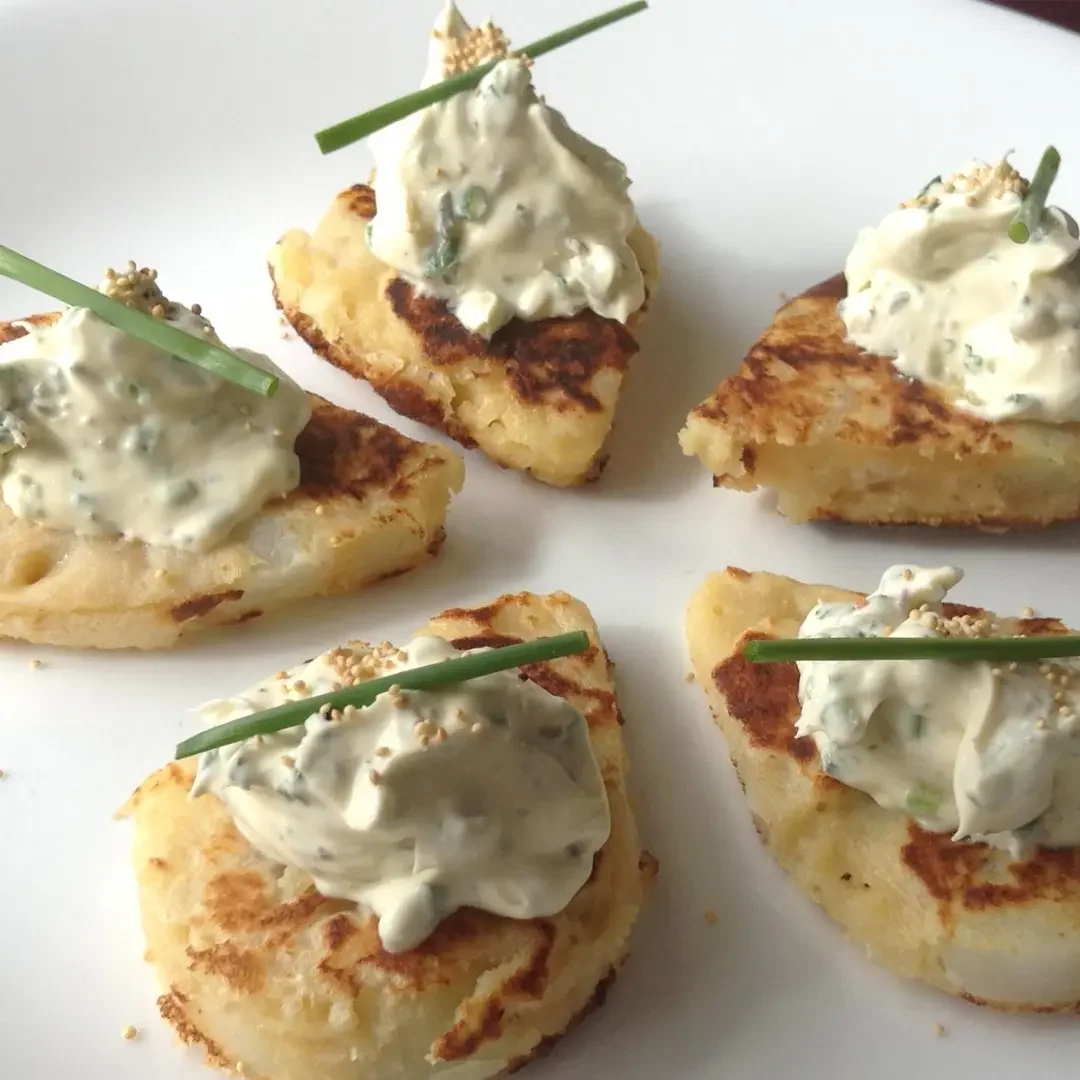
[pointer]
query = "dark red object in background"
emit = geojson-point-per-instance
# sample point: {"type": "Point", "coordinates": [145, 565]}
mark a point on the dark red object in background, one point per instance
{"type": "Point", "coordinates": [1062, 12]}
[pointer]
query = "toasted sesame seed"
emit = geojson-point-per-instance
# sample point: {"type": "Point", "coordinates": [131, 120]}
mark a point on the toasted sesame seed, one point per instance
{"type": "Point", "coordinates": [375, 777]}
{"type": "Point", "coordinates": [320, 510]}
{"type": "Point", "coordinates": [1041, 723]}
{"type": "Point", "coordinates": [288, 760]}
{"type": "Point", "coordinates": [130, 1032]}
{"type": "Point", "coordinates": [908, 575]}
{"type": "Point", "coordinates": [711, 918]}
{"type": "Point", "coordinates": [383, 751]}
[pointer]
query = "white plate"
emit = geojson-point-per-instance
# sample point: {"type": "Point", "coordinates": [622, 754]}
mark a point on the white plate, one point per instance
{"type": "Point", "coordinates": [760, 134]}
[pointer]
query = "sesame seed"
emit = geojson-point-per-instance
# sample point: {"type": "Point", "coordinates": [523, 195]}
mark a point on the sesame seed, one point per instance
{"type": "Point", "coordinates": [288, 761]}
{"type": "Point", "coordinates": [1041, 724]}
{"type": "Point", "coordinates": [320, 510]}
{"type": "Point", "coordinates": [939, 1030]}
{"type": "Point", "coordinates": [688, 677]}
{"type": "Point", "coordinates": [383, 751]}
{"type": "Point", "coordinates": [130, 1032]}
{"type": "Point", "coordinates": [35, 664]}
{"type": "Point", "coordinates": [375, 778]}
{"type": "Point", "coordinates": [908, 575]}
{"type": "Point", "coordinates": [477, 728]}
{"type": "Point", "coordinates": [1013, 665]}
{"type": "Point", "coordinates": [711, 918]}
{"type": "Point", "coordinates": [1027, 613]}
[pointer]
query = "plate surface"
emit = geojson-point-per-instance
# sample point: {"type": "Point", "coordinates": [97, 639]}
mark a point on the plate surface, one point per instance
{"type": "Point", "coordinates": [761, 134]}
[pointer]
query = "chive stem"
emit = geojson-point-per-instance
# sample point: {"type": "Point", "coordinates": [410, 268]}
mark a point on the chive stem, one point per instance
{"type": "Point", "coordinates": [996, 649]}
{"type": "Point", "coordinates": [358, 127]}
{"type": "Point", "coordinates": [205, 354]}
{"type": "Point", "coordinates": [430, 676]}
{"type": "Point", "coordinates": [1031, 209]}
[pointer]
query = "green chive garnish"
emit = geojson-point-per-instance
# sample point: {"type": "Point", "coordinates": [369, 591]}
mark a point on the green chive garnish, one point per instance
{"type": "Point", "coordinates": [1031, 209]}
{"type": "Point", "coordinates": [137, 323]}
{"type": "Point", "coordinates": [359, 127]}
{"type": "Point", "coordinates": [429, 677]}
{"type": "Point", "coordinates": [996, 649]}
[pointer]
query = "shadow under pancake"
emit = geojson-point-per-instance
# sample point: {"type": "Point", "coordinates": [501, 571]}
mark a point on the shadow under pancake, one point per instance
{"type": "Point", "coordinates": [708, 311]}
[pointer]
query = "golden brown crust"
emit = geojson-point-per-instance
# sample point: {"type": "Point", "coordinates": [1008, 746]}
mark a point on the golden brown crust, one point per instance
{"type": "Point", "coordinates": [366, 491]}
{"type": "Point", "coordinates": [499, 989]}
{"type": "Point", "coordinates": [501, 395]}
{"type": "Point", "coordinates": [549, 362]}
{"type": "Point", "coordinates": [966, 918]}
{"type": "Point", "coordinates": [841, 436]}
{"type": "Point", "coordinates": [807, 335]}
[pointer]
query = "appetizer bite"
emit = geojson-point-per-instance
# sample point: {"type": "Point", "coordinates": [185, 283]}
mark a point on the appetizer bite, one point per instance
{"type": "Point", "coordinates": [919, 779]}
{"type": "Point", "coordinates": [145, 497]}
{"type": "Point", "coordinates": [491, 280]}
{"type": "Point", "coordinates": [937, 381]}
{"type": "Point", "coordinates": [443, 878]}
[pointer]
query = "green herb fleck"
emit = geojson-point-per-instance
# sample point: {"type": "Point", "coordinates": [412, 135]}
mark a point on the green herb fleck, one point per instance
{"type": "Point", "coordinates": [923, 801]}
{"type": "Point", "coordinates": [443, 257]}
{"type": "Point", "coordinates": [475, 204]}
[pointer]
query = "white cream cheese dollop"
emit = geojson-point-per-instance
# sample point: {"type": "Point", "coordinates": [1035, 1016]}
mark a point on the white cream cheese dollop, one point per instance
{"type": "Point", "coordinates": [101, 433]}
{"type": "Point", "coordinates": [985, 752]}
{"type": "Point", "coordinates": [493, 203]}
{"type": "Point", "coordinates": [485, 794]}
{"type": "Point", "coordinates": [940, 287]}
